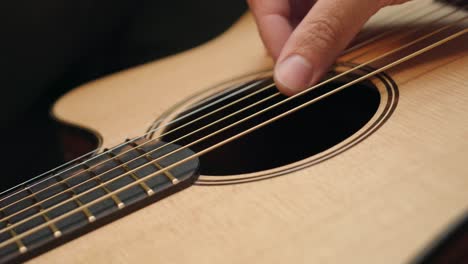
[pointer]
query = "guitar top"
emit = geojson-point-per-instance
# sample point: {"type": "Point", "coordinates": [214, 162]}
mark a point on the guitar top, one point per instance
{"type": "Point", "coordinates": [368, 166]}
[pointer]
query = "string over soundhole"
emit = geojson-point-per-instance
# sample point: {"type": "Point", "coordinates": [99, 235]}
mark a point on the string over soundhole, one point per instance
{"type": "Point", "coordinates": [332, 123]}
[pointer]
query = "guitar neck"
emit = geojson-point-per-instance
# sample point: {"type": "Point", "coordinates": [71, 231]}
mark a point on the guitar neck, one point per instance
{"type": "Point", "coordinates": [89, 194]}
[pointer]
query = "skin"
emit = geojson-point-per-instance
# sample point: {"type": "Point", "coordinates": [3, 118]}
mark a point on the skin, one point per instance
{"type": "Point", "coordinates": [304, 37]}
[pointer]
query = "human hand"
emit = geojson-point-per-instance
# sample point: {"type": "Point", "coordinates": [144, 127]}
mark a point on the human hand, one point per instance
{"type": "Point", "coordinates": [304, 37]}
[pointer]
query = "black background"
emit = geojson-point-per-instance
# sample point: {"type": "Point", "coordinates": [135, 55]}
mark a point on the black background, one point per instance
{"type": "Point", "coordinates": [48, 47]}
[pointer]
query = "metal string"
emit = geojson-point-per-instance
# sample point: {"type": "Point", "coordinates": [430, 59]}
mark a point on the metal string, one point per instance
{"type": "Point", "coordinates": [132, 140]}
{"type": "Point", "coordinates": [391, 20]}
{"type": "Point", "coordinates": [438, 43]}
{"type": "Point", "coordinates": [390, 65]}
{"type": "Point", "coordinates": [225, 128]}
{"type": "Point", "coordinates": [250, 86]}
{"type": "Point", "coordinates": [169, 132]}
{"type": "Point", "coordinates": [118, 146]}
{"type": "Point", "coordinates": [389, 32]}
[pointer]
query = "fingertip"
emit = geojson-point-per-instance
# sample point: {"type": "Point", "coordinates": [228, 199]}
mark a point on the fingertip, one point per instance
{"type": "Point", "coordinates": [293, 74]}
{"type": "Point", "coordinates": [282, 89]}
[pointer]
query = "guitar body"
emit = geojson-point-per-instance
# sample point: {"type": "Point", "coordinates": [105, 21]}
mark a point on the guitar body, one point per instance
{"type": "Point", "coordinates": [383, 199]}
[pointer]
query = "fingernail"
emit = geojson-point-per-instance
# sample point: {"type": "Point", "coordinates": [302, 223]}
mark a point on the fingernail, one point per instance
{"type": "Point", "coordinates": [294, 73]}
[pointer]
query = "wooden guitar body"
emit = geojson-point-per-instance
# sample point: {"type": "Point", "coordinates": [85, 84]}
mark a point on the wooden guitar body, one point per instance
{"type": "Point", "coordinates": [383, 195]}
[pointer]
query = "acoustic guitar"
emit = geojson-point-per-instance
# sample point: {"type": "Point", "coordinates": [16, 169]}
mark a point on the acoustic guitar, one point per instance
{"type": "Point", "coordinates": [367, 166]}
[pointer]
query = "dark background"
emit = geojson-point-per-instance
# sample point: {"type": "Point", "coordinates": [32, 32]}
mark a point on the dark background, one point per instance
{"type": "Point", "coordinates": [48, 47]}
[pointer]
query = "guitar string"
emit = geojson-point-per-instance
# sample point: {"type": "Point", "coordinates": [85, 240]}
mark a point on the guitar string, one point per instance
{"type": "Point", "coordinates": [388, 66]}
{"type": "Point", "coordinates": [392, 23]}
{"type": "Point", "coordinates": [393, 28]}
{"type": "Point", "coordinates": [391, 20]}
{"type": "Point", "coordinates": [129, 161]}
{"type": "Point", "coordinates": [396, 30]}
{"type": "Point", "coordinates": [160, 136]}
{"type": "Point", "coordinates": [115, 147]}
{"type": "Point", "coordinates": [52, 171]}
{"type": "Point", "coordinates": [438, 43]}
{"type": "Point", "coordinates": [78, 173]}
{"type": "Point", "coordinates": [159, 158]}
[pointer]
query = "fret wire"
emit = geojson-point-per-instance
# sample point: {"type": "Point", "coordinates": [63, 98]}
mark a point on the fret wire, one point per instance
{"type": "Point", "coordinates": [114, 197]}
{"type": "Point", "coordinates": [21, 247]}
{"type": "Point", "coordinates": [322, 83]}
{"type": "Point", "coordinates": [242, 87]}
{"type": "Point", "coordinates": [149, 158]}
{"type": "Point", "coordinates": [57, 194]}
{"type": "Point", "coordinates": [57, 233]}
{"type": "Point", "coordinates": [61, 181]}
{"type": "Point", "coordinates": [151, 131]}
{"type": "Point", "coordinates": [373, 73]}
{"type": "Point", "coordinates": [78, 195]}
{"type": "Point", "coordinates": [173, 179]}
{"type": "Point", "coordinates": [26, 248]}
{"type": "Point", "coordinates": [143, 185]}
{"type": "Point", "coordinates": [86, 211]}
{"type": "Point", "coordinates": [160, 136]}
{"type": "Point", "coordinates": [152, 161]}
{"type": "Point", "coordinates": [342, 74]}
{"type": "Point", "coordinates": [346, 51]}
{"type": "Point", "coordinates": [168, 174]}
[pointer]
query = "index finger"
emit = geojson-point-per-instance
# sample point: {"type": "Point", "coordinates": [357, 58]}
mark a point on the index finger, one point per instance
{"type": "Point", "coordinates": [273, 22]}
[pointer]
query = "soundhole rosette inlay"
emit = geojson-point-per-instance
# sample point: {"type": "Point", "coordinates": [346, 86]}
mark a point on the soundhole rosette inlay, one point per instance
{"type": "Point", "coordinates": [309, 136]}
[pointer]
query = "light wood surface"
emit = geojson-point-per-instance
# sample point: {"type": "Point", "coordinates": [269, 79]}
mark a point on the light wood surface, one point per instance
{"type": "Point", "coordinates": [382, 201]}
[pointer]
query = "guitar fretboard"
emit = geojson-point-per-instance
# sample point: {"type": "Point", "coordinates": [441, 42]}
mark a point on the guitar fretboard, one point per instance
{"type": "Point", "coordinates": [64, 205]}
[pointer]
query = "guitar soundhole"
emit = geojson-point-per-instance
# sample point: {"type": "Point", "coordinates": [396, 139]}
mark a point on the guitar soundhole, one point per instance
{"type": "Point", "coordinates": [303, 134]}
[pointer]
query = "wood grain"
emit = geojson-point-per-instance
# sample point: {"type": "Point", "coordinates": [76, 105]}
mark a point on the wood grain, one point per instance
{"type": "Point", "coordinates": [382, 201]}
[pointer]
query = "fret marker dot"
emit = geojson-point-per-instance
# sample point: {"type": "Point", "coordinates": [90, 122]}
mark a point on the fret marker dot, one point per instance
{"type": "Point", "coordinates": [57, 234]}
{"type": "Point", "coordinates": [23, 249]}
{"type": "Point", "coordinates": [121, 205]}
{"type": "Point", "coordinates": [91, 219]}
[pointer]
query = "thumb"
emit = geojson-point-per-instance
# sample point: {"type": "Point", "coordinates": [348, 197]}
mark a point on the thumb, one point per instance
{"type": "Point", "coordinates": [316, 42]}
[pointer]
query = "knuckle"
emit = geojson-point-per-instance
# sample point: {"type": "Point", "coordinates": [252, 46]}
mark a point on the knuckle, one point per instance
{"type": "Point", "coordinates": [321, 33]}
